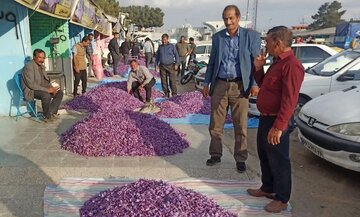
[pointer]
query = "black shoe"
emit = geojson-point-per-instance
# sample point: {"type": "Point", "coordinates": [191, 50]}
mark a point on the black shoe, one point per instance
{"type": "Point", "coordinates": [55, 116]}
{"type": "Point", "coordinates": [213, 160]}
{"type": "Point", "coordinates": [48, 120]}
{"type": "Point", "coordinates": [241, 167]}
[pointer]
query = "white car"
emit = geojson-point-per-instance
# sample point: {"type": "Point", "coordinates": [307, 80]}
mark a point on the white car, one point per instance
{"type": "Point", "coordinates": [202, 50]}
{"type": "Point", "coordinates": [308, 54]}
{"type": "Point", "coordinates": [329, 126]}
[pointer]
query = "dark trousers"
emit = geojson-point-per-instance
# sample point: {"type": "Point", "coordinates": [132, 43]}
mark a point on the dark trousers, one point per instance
{"type": "Point", "coordinates": [90, 71]}
{"type": "Point", "coordinates": [116, 60]}
{"type": "Point", "coordinates": [82, 75]}
{"type": "Point", "coordinates": [135, 89]}
{"type": "Point", "coordinates": [192, 58]}
{"type": "Point", "coordinates": [50, 103]}
{"type": "Point", "coordinates": [181, 69]}
{"type": "Point", "coordinates": [165, 72]}
{"type": "Point", "coordinates": [126, 58]}
{"type": "Point", "coordinates": [148, 58]}
{"type": "Point", "coordinates": [274, 161]}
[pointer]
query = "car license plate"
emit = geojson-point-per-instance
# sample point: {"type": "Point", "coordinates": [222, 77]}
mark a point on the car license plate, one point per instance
{"type": "Point", "coordinates": [311, 147]}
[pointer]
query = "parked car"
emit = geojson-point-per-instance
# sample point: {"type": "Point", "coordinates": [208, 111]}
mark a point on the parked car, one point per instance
{"type": "Point", "coordinates": [334, 73]}
{"type": "Point", "coordinates": [202, 50]}
{"type": "Point", "coordinates": [308, 54]}
{"type": "Point", "coordinates": [329, 126]}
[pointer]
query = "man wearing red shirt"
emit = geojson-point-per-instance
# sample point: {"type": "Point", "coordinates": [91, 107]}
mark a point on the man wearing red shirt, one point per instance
{"type": "Point", "coordinates": [276, 101]}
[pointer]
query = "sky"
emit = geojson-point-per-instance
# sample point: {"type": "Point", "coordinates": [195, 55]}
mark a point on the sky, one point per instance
{"type": "Point", "coordinates": [270, 12]}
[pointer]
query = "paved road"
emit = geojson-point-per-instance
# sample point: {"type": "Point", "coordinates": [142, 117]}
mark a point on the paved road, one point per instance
{"type": "Point", "coordinates": [320, 188]}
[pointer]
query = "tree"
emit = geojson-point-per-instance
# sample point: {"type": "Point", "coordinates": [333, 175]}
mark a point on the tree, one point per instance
{"type": "Point", "coordinates": [110, 7]}
{"type": "Point", "coordinates": [328, 15]}
{"type": "Point", "coordinates": [354, 20]}
{"type": "Point", "coordinates": [144, 16]}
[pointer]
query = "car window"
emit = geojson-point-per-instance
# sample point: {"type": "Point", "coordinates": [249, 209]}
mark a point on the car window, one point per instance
{"type": "Point", "coordinates": [333, 64]}
{"type": "Point", "coordinates": [200, 49]}
{"type": "Point", "coordinates": [311, 54]}
{"type": "Point", "coordinates": [355, 71]}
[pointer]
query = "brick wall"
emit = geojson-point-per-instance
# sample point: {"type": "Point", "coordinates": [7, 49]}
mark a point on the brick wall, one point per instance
{"type": "Point", "coordinates": [43, 27]}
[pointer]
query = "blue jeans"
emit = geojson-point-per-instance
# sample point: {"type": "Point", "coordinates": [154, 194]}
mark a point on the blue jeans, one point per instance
{"type": "Point", "coordinates": [274, 161]}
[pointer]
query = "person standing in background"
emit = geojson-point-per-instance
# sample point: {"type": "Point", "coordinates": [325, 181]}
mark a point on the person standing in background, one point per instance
{"type": "Point", "coordinates": [183, 50]}
{"type": "Point", "coordinates": [135, 50]}
{"type": "Point", "coordinates": [192, 46]}
{"type": "Point", "coordinates": [167, 60]}
{"type": "Point", "coordinates": [89, 53]}
{"type": "Point", "coordinates": [79, 61]}
{"type": "Point", "coordinates": [148, 50]}
{"type": "Point", "coordinates": [114, 50]}
{"type": "Point", "coordinates": [125, 50]}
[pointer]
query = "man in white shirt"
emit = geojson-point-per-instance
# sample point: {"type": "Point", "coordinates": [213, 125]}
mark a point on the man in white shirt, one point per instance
{"type": "Point", "coordinates": [148, 50]}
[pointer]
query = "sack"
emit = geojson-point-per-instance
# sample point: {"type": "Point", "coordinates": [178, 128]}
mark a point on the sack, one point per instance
{"type": "Point", "coordinates": [97, 67]}
{"type": "Point", "coordinates": [109, 59]}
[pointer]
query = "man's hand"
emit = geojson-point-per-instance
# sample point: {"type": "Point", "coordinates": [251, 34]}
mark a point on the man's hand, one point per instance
{"type": "Point", "coordinates": [141, 87]}
{"type": "Point", "coordinates": [274, 136]}
{"type": "Point", "coordinates": [254, 91]}
{"type": "Point", "coordinates": [53, 90]}
{"type": "Point", "coordinates": [77, 70]}
{"type": "Point", "coordinates": [176, 67]}
{"type": "Point", "coordinates": [129, 91]}
{"type": "Point", "coordinates": [260, 61]}
{"type": "Point", "coordinates": [157, 69]}
{"type": "Point", "coordinates": [205, 91]}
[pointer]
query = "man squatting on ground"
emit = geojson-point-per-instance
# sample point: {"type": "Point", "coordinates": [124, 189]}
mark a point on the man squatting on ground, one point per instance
{"type": "Point", "coordinates": [139, 78]}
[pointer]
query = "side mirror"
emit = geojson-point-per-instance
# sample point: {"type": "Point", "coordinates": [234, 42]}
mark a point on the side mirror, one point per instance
{"type": "Point", "coordinates": [346, 77]}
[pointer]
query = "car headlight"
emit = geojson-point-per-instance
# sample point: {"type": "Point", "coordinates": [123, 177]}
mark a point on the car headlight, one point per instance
{"type": "Point", "coordinates": [350, 129]}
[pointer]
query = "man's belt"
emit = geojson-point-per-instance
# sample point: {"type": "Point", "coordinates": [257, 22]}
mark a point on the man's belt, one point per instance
{"type": "Point", "coordinates": [268, 114]}
{"type": "Point", "coordinates": [230, 80]}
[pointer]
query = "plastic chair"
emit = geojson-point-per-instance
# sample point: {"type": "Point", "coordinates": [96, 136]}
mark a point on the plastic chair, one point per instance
{"type": "Point", "coordinates": [30, 104]}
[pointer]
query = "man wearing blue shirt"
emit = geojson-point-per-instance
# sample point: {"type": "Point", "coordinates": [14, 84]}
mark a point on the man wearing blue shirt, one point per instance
{"type": "Point", "coordinates": [229, 74]}
{"type": "Point", "coordinates": [167, 61]}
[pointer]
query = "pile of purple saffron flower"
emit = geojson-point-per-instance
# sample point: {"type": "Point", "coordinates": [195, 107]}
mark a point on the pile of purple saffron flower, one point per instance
{"type": "Point", "coordinates": [119, 132]}
{"type": "Point", "coordinates": [150, 198]}
{"type": "Point", "coordinates": [107, 96]}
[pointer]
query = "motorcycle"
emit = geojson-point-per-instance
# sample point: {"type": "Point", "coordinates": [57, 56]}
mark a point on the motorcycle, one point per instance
{"type": "Point", "coordinates": [193, 68]}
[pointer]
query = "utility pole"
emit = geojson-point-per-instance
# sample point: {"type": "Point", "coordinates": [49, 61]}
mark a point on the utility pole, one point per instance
{"type": "Point", "coordinates": [255, 13]}
{"type": "Point", "coordinates": [247, 10]}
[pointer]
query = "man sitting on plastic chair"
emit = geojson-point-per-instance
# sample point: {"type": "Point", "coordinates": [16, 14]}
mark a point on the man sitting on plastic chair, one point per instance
{"type": "Point", "coordinates": [36, 84]}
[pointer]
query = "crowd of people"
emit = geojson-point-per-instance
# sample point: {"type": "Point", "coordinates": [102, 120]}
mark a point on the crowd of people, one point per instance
{"type": "Point", "coordinates": [235, 72]}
